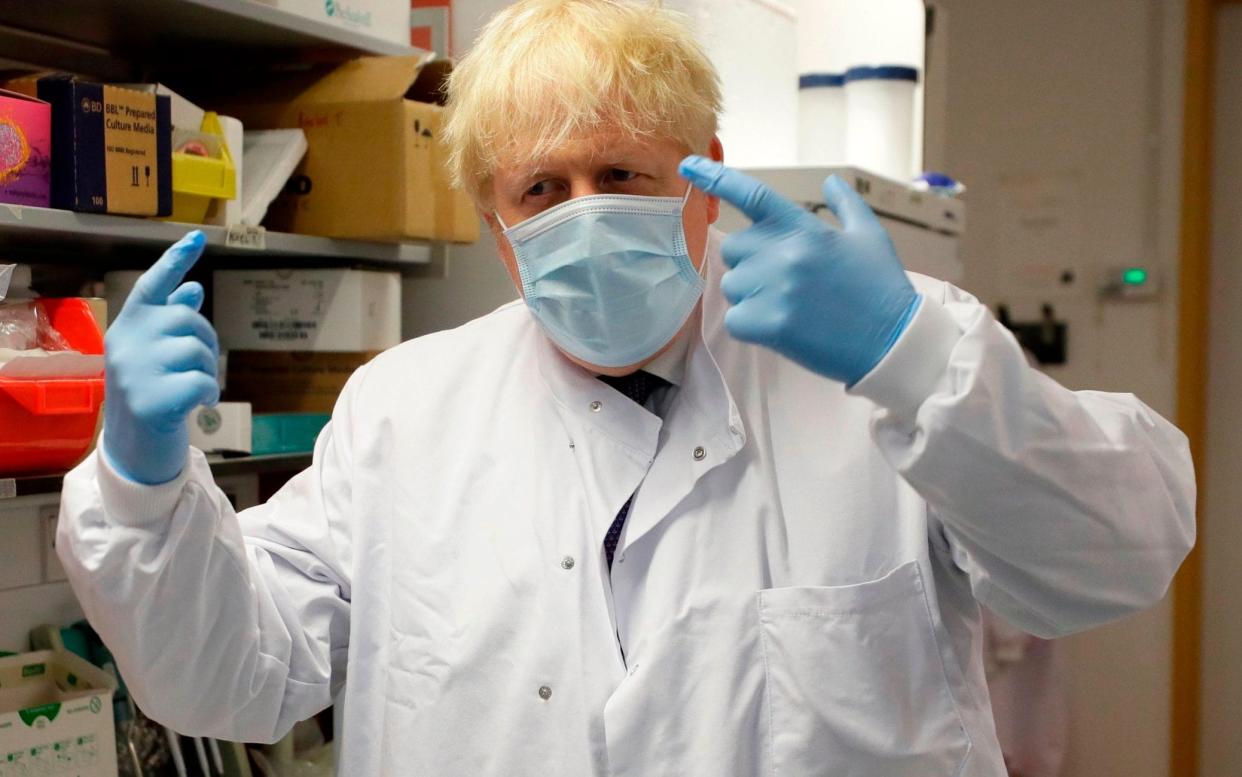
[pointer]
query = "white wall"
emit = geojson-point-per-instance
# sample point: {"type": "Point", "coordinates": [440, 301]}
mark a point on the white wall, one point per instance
{"type": "Point", "coordinates": [1222, 533]}
{"type": "Point", "coordinates": [1081, 99]}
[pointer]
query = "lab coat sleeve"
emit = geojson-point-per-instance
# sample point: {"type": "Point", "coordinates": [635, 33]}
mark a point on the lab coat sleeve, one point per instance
{"type": "Point", "coordinates": [1067, 509]}
{"type": "Point", "coordinates": [223, 625]}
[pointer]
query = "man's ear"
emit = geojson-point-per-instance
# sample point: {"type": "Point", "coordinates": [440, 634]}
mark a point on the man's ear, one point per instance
{"type": "Point", "coordinates": [493, 223]}
{"type": "Point", "coordinates": [716, 152]}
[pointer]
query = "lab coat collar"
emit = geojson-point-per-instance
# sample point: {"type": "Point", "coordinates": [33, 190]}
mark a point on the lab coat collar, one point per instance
{"type": "Point", "coordinates": [671, 365]}
{"type": "Point", "coordinates": [595, 404]}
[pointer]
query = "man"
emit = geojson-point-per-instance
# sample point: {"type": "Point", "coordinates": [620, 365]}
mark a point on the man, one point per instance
{"type": "Point", "coordinates": [693, 508]}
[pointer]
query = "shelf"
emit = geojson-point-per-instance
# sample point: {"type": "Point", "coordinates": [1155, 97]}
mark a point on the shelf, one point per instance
{"type": "Point", "coordinates": [112, 242]}
{"type": "Point", "coordinates": [36, 485]}
{"type": "Point", "coordinates": [255, 465]}
{"type": "Point", "coordinates": [86, 31]}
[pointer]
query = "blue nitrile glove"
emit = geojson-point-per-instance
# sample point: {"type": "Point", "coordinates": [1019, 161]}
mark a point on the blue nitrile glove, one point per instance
{"type": "Point", "coordinates": [160, 362]}
{"type": "Point", "coordinates": [833, 300]}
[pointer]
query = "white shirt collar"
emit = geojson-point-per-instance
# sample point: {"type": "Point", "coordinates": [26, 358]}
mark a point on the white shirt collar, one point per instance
{"type": "Point", "coordinates": [671, 365]}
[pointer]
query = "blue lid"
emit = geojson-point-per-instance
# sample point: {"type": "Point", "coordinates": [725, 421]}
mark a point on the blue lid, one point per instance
{"type": "Point", "coordinates": [814, 80]}
{"type": "Point", "coordinates": [937, 180]}
{"type": "Point", "coordinates": [882, 73]}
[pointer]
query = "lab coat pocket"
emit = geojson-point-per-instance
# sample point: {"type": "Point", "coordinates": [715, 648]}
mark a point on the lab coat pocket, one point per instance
{"type": "Point", "coordinates": [856, 684]}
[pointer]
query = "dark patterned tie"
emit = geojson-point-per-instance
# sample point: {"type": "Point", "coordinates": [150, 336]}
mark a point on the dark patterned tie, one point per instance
{"type": "Point", "coordinates": [638, 387]}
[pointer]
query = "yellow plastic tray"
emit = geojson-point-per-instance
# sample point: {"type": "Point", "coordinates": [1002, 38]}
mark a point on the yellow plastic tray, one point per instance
{"type": "Point", "coordinates": [196, 180]}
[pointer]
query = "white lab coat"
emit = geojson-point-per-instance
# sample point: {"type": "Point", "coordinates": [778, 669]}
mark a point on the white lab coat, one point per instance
{"type": "Point", "coordinates": [795, 592]}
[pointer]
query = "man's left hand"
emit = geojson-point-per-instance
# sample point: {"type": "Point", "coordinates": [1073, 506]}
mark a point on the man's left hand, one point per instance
{"type": "Point", "coordinates": [833, 300]}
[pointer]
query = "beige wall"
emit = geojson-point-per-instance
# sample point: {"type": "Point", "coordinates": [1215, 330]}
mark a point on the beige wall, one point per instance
{"type": "Point", "coordinates": [1087, 94]}
{"type": "Point", "coordinates": [1222, 560]}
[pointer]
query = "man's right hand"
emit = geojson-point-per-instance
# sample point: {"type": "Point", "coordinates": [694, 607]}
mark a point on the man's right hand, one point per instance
{"type": "Point", "coordinates": [160, 359]}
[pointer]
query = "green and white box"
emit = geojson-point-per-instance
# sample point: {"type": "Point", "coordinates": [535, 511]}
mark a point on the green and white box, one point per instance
{"type": "Point", "coordinates": [55, 717]}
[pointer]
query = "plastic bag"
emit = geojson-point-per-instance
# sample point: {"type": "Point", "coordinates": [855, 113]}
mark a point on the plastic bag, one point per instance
{"type": "Point", "coordinates": [24, 326]}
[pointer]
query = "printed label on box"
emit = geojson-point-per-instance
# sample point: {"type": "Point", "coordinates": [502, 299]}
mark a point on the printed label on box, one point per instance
{"type": "Point", "coordinates": [131, 164]}
{"type": "Point", "coordinates": [287, 310]}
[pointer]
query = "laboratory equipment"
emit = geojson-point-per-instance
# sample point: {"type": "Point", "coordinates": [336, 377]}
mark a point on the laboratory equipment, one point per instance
{"type": "Point", "coordinates": [821, 119]}
{"type": "Point", "coordinates": [880, 126]}
{"type": "Point", "coordinates": [926, 229]}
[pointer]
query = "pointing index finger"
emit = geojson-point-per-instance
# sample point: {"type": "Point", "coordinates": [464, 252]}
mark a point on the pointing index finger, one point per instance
{"type": "Point", "coordinates": [169, 270]}
{"type": "Point", "coordinates": [752, 197]}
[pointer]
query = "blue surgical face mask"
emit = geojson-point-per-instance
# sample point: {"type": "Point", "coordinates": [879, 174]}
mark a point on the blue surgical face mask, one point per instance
{"type": "Point", "coordinates": [608, 277]}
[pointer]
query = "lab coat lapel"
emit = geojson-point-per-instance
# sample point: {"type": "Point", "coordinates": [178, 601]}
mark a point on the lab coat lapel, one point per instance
{"type": "Point", "coordinates": [703, 430]}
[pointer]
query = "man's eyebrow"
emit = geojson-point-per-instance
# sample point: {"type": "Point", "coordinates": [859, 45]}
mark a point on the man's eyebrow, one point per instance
{"type": "Point", "coordinates": [524, 180]}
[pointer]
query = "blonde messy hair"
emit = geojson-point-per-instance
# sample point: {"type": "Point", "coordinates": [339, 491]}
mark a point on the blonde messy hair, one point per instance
{"type": "Point", "coordinates": [543, 72]}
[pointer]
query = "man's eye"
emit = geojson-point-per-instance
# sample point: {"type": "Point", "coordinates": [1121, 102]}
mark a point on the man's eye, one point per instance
{"type": "Point", "coordinates": [617, 175]}
{"type": "Point", "coordinates": [539, 189]}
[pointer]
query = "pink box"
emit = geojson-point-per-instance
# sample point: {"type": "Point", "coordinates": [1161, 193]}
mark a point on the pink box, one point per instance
{"type": "Point", "coordinates": [25, 150]}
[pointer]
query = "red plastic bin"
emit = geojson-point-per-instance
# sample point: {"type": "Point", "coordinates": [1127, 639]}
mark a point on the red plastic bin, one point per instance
{"type": "Point", "coordinates": [46, 425]}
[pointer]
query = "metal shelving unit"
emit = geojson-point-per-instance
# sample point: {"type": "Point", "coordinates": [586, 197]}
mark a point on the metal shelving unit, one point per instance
{"type": "Point", "coordinates": [110, 37]}
{"type": "Point", "coordinates": [103, 240]}
{"type": "Point", "coordinates": [38, 485]}
{"type": "Point", "coordinates": [127, 40]}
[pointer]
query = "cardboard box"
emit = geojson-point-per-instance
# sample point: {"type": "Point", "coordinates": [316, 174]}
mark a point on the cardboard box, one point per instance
{"type": "Point", "coordinates": [290, 381]}
{"type": "Point", "coordinates": [25, 150]}
{"type": "Point", "coordinates": [111, 148]}
{"type": "Point", "coordinates": [307, 310]}
{"type": "Point", "coordinates": [374, 168]}
{"type": "Point", "coordinates": [56, 716]}
{"type": "Point", "coordinates": [385, 19]}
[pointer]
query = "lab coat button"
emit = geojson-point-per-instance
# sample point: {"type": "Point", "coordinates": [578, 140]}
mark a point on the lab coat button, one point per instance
{"type": "Point", "coordinates": [567, 562]}
{"type": "Point", "coordinates": [545, 692]}
{"type": "Point", "coordinates": [596, 406]}
{"type": "Point", "coordinates": [699, 453]}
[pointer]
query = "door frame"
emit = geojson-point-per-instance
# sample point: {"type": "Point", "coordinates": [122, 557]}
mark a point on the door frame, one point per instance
{"type": "Point", "coordinates": [1194, 270]}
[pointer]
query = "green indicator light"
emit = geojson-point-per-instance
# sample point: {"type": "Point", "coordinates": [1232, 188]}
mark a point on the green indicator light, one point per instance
{"type": "Point", "coordinates": [1135, 276]}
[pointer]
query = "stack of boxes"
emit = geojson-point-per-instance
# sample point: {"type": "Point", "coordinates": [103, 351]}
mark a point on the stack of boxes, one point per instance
{"type": "Point", "coordinates": [293, 337]}
{"type": "Point", "coordinates": [373, 169]}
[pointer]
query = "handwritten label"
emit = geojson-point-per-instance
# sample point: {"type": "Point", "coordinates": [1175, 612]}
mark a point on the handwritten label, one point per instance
{"type": "Point", "coordinates": [245, 236]}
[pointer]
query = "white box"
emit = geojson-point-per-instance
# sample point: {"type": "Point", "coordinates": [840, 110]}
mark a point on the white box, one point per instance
{"type": "Point", "coordinates": [225, 427]}
{"type": "Point", "coordinates": [384, 19]}
{"type": "Point", "coordinates": [184, 114]}
{"type": "Point", "coordinates": [56, 716]}
{"type": "Point", "coordinates": [307, 310]}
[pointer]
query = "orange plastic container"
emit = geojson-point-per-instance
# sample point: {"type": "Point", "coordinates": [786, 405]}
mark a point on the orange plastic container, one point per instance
{"type": "Point", "coordinates": [46, 425]}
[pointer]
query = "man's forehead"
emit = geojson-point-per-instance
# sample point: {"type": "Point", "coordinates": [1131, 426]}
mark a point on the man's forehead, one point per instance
{"type": "Point", "coordinates": [605, 146]}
